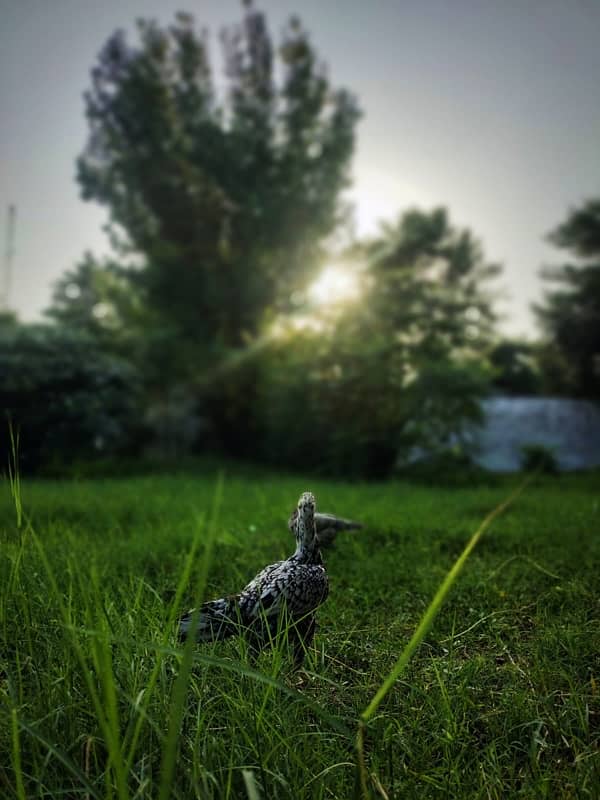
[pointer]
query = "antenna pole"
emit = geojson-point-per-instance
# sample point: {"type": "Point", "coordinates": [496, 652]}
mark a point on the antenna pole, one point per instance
{"type": "Point", "coordinates": [9, 253]}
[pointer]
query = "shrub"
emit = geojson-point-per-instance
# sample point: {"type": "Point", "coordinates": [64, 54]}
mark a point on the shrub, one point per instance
{"type": "Point", "coordinates": [538, 458]}
{"type": "Point", "coordinates": [65, 397]}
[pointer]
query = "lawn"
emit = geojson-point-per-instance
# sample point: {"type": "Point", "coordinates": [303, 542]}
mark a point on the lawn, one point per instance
{"type": "Point", "coordinates": [97, 700]}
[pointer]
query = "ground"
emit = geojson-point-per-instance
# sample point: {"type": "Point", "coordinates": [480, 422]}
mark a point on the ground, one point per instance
{"type": "Point", "coordinates": [98, 700]}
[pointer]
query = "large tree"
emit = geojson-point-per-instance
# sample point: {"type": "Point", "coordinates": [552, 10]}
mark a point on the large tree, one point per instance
{"type": "Point", "coordinates": [227, 198]}
{"type": "Point", "coordinates": [570, 312]}
{"type": "Point", "coordinates": [432, 286]}
{"type": "Point", "coordinates": [400, 368]}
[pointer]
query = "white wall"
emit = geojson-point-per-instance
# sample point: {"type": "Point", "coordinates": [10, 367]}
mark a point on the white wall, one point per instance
{"type": "Point", "coordinates": [570, 428]}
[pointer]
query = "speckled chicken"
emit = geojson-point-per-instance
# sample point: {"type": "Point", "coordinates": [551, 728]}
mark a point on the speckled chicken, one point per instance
{"type": "Point", "coordinates": [288, 591]}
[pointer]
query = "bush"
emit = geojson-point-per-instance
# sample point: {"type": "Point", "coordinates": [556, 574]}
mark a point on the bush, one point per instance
{"type": "Point", "coordinates": [65, 398]}
{"type": "Point", "coordinates": [451, 467]}
{"type": "Point", "coordinates": [538, 458]}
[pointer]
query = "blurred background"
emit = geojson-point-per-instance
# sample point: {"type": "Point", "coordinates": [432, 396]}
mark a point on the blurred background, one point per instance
{"type": "Point", "coordinates": [352, 243]}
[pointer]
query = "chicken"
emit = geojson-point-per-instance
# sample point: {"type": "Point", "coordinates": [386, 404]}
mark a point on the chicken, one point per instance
{"type": "Point", "coordinates": [282, 599]}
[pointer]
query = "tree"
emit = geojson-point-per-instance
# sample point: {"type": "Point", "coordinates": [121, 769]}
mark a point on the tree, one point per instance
{"type": "Point", "coordinates": [430, 287]}
{"type": "Point", "coordinates": [580, 232]}
{"type": "Point", "coordinates": [104, 303]}
{"type": "Point", "coordinates": [8, 320]}
{"type": "Point", "coordinates": [227, 201]}
{"type": "Point", "coordinates": [515, 367]}
{"type": "Point", "coordinates": [570, 313]}
{"type": "Point", "coordinates": [95, 298]}
{"type": "Point", "coordinates": [107, 303]}
{"type": "Point", "coordinates": [398, 370]}
{"type": "Point", "coordinates": [431, 302]}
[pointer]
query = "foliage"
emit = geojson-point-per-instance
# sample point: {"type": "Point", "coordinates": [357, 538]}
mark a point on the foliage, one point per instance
{"type": "Point", "coordinates": [498, 701]}
{"type": "Point", "coordinates": [570, 313]}
{"type": "Point", "coordinates": [106, 301]}
{"type": "Point", "coordinates": [516, 367]}
{"type": "Point", "coordinates": [227, 201]}
{"type": "Point", "coordinates": [64, 396]}
{"type": "Point", "coordinates": [327, 404]}
{"type": "Point", "coordinates": [443, 406]}
{"type": "Point", "coordinates": [399, 369]}
{"type": "Point", "coordinates": [431, 285]}
{"type": "Point", "coordinates": [538, 458]}
{"type": "Point", "coordinates": [8, 320]}
{"type": "Point", "coordinates": [223, 199]}
{"type": "Point", "coordinates": [96, 299]}
{"type": "Point", "coordinates": [580, 232]}
{"type": "Point", "coordinates": [431, 300]}
{"type": "Point", "coordinates": [453, 466]}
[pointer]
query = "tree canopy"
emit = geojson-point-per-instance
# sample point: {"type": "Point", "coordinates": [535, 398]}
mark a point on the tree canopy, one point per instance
{"type": "Point", "coordinates": [227, 199]}
{"type": "Point", "coordinates": [570, 312]}
{"type": "Point", "coordinates": [431, 285]}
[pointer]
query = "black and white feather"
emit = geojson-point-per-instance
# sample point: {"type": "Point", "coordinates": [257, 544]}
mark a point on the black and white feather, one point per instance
{"type": "Point", "coordinates": [328, 526]}
{"type": "Point", "coordinates": [292, 589]}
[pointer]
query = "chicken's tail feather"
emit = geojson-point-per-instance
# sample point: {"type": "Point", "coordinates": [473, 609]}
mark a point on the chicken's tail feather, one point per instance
{"type": "Point", "coordinates": [215, 620]}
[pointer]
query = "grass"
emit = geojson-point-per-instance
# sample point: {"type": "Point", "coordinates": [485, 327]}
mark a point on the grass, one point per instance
{"type": "Point", "coordinates": [97, 700]}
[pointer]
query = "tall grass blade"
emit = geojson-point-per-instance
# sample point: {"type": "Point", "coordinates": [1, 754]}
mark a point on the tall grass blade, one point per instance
{"type": "Point", "coordinates": [14, 478]}
{"type": "Point", "coordinates": [250, 784]}
{"type": "Point", "coordinates": [181, 682]}
{"type": "Point", "coordinates": [111, 735]}
{"type": "Point", "coordinates": [421, 631]}
{"type": "Point", "coordinates": [240, 669]}
{"type": "Point", "coordinates": [59, 756]}
{"type": "Point", "coordinates": [16, 754]}
{"type": "Point", "coordinates": [162, 650]}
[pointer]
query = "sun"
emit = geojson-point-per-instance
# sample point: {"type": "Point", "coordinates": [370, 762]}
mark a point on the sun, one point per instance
{"type": "Point", "coordinates": [337, 286]}
{"type": "Point", "coordinates": [338, 283]}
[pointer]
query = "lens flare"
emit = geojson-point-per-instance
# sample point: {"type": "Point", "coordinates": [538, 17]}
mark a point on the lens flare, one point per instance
{"type": "Point", "coordinates": [336, 284]}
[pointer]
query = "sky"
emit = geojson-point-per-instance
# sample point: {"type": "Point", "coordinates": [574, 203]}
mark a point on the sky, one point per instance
{"type": "Point", "coordinates": [489, 108]}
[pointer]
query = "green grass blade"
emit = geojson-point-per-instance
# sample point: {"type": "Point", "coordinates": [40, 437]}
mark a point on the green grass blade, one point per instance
{"type": "Point", "coordinates": [421, 631]}
{"type": "Point", "coordinates": [16, 754]}
{"type": "Point", "coordinates": [250, 784]}
{"type": "Point", "coordinates": [14, 478]}
{"type": "Point", "coordinates": [181, 682]}
{"type": "Point", "coordinates": [238, 668]}
{"type": "Point", "coordinates": [59, 756]}
{"type": "Point", "coordinates": [174, 609]}
{"type": "Point", "coordinates": [110, 733]}
{"type": "Point", "coordinates": [431, 612]}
